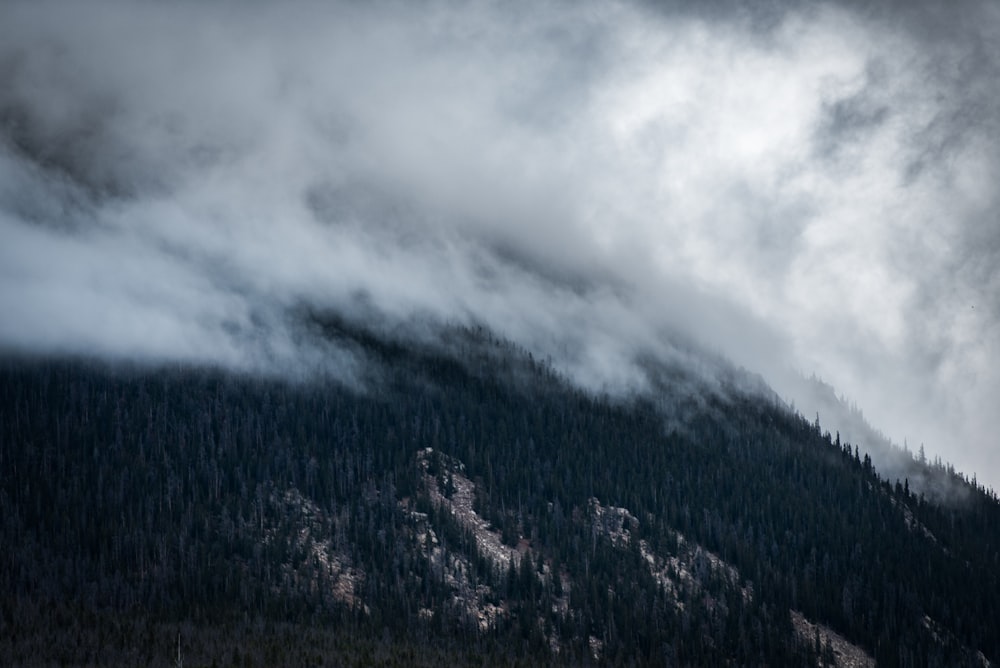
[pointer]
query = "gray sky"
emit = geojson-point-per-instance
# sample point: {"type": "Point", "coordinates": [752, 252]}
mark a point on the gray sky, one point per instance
{"type": "Point", "coordinates": [809, 188]}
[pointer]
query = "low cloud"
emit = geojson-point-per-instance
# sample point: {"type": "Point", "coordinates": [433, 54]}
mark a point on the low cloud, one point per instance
{"type": "Point", "coordinates": [809, 189]}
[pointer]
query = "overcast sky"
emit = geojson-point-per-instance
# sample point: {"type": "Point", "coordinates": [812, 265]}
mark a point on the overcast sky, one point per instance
{"type": "Point", "coordinates": [809, 187]}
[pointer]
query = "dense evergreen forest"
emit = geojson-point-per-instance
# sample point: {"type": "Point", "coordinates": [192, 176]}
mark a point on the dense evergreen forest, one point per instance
{"type": "Point", "coordinates": [465, 505]}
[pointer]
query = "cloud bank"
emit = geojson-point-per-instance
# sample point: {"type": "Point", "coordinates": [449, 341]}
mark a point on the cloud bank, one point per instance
{"type": "Point", "coordinates": [803, 188]}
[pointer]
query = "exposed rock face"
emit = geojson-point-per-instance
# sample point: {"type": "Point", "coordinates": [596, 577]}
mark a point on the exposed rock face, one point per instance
{"type": "Point", "coordinates": [832, 646]}
{"type": "Point", "coordinates": [316, 559]}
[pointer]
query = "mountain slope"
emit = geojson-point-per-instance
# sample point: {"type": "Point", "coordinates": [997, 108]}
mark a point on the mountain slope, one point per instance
{"type": "Point", "coordinates": [465, 503]}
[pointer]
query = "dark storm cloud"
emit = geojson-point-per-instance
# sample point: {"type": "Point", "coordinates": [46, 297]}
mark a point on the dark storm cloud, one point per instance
{"type": "Point", "coordinates": [853, 118]}
{"type": "Point", "coordinates": [801, 187]}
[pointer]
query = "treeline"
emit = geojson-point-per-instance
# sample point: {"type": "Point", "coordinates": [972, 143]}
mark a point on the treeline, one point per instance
{"type": "Point", "coordinates": [158, 497]}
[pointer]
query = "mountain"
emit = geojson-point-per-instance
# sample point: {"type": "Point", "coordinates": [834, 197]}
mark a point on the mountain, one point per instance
{"type": "Point", "coordinates": [935, 479]}
{"type": "Point", "coordinates": [461, 502]}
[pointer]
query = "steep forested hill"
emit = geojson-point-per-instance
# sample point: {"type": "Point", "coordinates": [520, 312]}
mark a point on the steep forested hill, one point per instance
{"type": "Point", "coordinates": [464, 505]}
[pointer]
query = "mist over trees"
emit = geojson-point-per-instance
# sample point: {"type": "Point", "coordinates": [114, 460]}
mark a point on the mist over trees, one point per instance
{"type": "Point", "coordinates": [177, 179]}
{"type": "Point", "coordinates": [435, 333]}
{"type": "Point", "coordinates": [138, 503]}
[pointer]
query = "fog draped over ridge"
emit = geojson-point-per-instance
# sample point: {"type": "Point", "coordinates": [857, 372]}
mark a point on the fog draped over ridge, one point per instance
{"type": "Point", "coordinates": [809, 188]}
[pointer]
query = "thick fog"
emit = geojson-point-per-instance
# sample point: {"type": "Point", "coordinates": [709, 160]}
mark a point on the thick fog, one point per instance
{"type": "Point", "coordinates": [806, 189]}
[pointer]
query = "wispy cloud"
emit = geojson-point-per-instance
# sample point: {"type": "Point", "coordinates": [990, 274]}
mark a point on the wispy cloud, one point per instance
{"type": "Point", "coordinates": [808, 187]}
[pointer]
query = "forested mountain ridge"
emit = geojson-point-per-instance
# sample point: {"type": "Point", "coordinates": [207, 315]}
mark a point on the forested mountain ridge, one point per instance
{"type": "Point", "coordinates": [465, 504]}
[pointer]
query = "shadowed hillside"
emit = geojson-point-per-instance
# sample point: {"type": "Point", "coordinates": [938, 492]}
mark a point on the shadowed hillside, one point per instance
{"type": "Point", "coordinates": [466, 506]}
